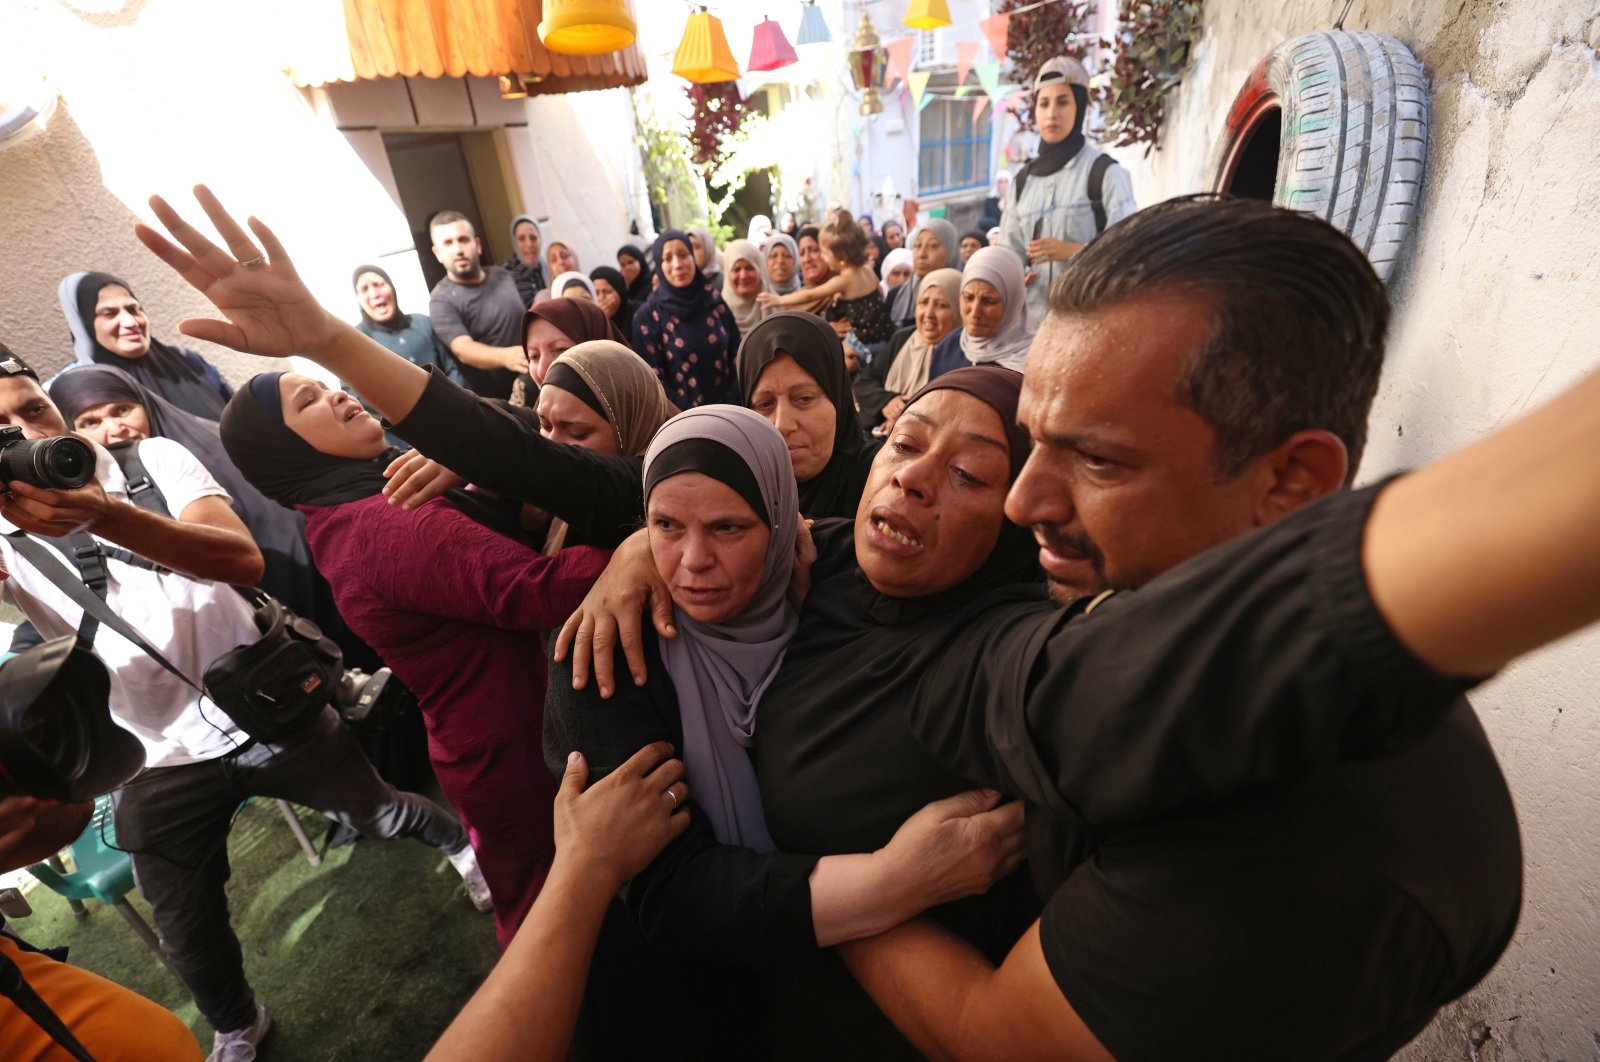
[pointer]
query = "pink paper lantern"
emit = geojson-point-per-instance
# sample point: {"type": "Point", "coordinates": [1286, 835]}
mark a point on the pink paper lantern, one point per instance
{"type": "Point", "coordinates": [770, 49]}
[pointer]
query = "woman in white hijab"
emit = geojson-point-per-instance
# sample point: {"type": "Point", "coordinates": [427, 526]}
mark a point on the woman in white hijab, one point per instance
{"type": "Point", "coordinates": [760, 229]}
{"type": "Point", "coordinates": [896, 270]}
{"type": "Point", "coordinates": [573, 285]}
{"type": "Point", "coordinates": [994, 334]}
{"type": "Point", "coordinates": [743, 278]}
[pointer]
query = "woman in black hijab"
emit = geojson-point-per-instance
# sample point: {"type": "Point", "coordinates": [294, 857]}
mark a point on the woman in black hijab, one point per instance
{"type": "Point", "coordinates": [685, 331]}
{"type": "Point", "coordinates": [455, 607]}
{"type": "Point", "coordinates": [1054, 207]}
{"type": "Point", "coordinates": [109, 327]}
{"type": "Point", "coordinates": [635, 269]}
{"type": "Point", "coordinates": [611, 292]}
{"type": "Point", "coordinates": [792, 371]}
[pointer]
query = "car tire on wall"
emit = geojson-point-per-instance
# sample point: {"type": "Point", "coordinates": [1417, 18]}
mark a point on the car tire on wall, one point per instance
{"type": "Point", "coordinates": [1351, 111]}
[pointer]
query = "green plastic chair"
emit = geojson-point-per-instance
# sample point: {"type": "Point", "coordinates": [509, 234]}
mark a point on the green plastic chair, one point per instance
{"type": "Point", "coordinates": [103, 874]}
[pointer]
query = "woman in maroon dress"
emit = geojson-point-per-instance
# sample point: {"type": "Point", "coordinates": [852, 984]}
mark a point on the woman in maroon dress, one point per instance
{"type": "Point", "coordinates": [459, 609]}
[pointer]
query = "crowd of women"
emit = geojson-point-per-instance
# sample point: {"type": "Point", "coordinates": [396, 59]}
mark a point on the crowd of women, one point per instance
{"type": "Point", "coordinates": [499, 520]}
{"type": "Point", "coordinates": [503, 515]}
{"type": "Point", "coordinates": [734, 401]}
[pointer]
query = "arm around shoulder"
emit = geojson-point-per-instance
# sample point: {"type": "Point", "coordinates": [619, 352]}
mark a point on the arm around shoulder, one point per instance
{"type": "Point", "coordinates": [953, 1004]}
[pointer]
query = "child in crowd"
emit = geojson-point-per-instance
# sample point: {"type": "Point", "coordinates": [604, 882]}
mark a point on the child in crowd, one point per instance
{"type": "Point", "coordinates": [853, 285]}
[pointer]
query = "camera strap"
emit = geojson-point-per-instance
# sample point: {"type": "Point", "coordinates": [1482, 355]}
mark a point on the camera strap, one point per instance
{"type": "Point", "coordinates": [93, 605]}
{"type": "Point", "coordinates": [143, 491]}
{"type": "Point", "coordinates": [16, 987]}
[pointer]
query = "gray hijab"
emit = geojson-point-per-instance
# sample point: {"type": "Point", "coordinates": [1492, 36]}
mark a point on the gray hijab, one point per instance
{"type": "Point", "coordinates": [720, 670]}
{"type": "Point", "coordinates": [1008, 347]}
{"type": "Point", "coordinates": [778, 239]}
{"type": "Point", "coordinates": [713, 266]}
{"type": "Point", "coordinates": [947, 235]}
{"type": "Point", "coordinates": [905, 301]}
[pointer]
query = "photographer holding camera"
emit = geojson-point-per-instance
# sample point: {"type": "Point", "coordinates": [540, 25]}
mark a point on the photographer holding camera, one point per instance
{"type": "Point", "coordinates": [167, 578]}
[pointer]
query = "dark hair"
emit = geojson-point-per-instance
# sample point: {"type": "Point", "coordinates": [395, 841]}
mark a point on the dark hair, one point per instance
{"type": "Point", "coordinates": [808, 230]}
{"type": "Point", "coordinates": [1300, 316]}
{"type": "Point", "coordinates": [845, 238]}
{"type": "Point", "coordinates": [449, 217]}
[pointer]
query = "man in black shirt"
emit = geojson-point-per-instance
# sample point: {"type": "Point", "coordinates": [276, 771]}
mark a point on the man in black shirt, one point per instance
{"type": "Point", "coordinates": [1268, 824]}
{"type": "Point", "coordinates": [476, 311]}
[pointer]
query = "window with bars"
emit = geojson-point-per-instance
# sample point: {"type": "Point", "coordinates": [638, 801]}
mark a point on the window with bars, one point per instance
{"type": "Point", "coordinates": [953, 152]}
{"type": "Point", "coordinates": [928, 42]}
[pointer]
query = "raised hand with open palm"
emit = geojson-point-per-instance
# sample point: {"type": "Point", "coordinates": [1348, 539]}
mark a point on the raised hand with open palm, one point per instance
{"type": "Point", "coordinates": [268, 309]}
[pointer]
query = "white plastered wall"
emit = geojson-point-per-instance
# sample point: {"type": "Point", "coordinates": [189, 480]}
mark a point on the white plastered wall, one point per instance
{"type": "Point", "coordinates": [156, 95]}
{"type": "Point", "coordinates": [1495, 311]}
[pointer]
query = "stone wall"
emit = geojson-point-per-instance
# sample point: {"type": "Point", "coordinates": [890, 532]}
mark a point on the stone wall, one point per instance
{"type": "Point", "coordinates": [1496, 311]}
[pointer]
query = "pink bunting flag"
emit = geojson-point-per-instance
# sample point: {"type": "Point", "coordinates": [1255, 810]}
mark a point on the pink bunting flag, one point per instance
{"type": "Point", "coordinates": [994, 30]}
{"type": "Point", "coordinates": [977, 109]}
{"type": "Point", "coordinates": [900, 57]}
{"type": "Point", "coordinates": [966, 52]}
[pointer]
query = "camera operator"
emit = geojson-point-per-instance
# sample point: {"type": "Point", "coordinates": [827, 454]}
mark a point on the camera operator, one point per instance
{"type": "Point", "coordinates": [112, 1023]}
{"type": "Point", "coordinates": [167, 578]}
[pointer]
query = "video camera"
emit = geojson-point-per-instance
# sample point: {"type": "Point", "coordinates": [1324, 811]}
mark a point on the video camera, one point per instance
{"type": "Point", "coordinates": [64, 462]}
{"type": "Point", "coordinates": [57, 738]}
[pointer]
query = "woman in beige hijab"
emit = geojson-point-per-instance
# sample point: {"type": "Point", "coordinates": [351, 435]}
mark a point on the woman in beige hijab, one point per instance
{"type": "Point", "coordinates": [602, 396]}
{"type": "Point", "coordinates": [937, 314]}
{"type": "Point", "coordinates": [743, 278]}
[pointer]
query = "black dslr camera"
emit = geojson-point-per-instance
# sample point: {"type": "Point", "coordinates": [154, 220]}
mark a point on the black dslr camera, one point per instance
{"type": "Point", "coordinates": [64, 462]}
{"type": "Point", "coordinates": [57, 739]}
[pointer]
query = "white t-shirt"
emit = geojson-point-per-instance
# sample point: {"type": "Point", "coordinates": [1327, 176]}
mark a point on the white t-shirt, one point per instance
{"type": "Point", "coordinates": [192, 621]}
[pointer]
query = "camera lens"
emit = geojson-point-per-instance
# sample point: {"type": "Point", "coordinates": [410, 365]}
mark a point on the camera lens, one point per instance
{"type": "Point", "coordinates": [63, 463]}
{"type": "Point", "coordinates": [67, 464]}
{"type": "Point", "coordinates": [56, 734]}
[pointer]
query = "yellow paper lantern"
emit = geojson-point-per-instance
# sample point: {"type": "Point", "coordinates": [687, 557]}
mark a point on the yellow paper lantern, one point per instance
{"type": "Point", "coordinates": [703, 55]}
{"type": "Point", "coordinates": [587, 27]}
{"type": "Point", "coordinates": [928, 14]}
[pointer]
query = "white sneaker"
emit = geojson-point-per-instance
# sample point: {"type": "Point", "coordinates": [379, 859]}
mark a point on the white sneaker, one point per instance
{"type": "Point", "coordinates": [466, 864]}
{"type": "Point", "coordinates": [240, 1045]}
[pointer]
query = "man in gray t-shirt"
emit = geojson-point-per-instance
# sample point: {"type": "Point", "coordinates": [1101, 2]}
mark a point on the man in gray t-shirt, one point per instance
{"type": "Point", "coordinates": [477, 311]}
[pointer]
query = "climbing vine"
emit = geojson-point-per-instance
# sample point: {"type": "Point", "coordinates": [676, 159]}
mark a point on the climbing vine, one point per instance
{"type": "Point", "coordinates": [718, 113]}
{"type": "Point", "coordinates": [1152, 49]}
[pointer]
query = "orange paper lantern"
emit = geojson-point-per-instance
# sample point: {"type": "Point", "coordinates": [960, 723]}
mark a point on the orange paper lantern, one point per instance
{"type": "Point", "coordinates": [703, 55]}
{"type": "Point", "coordinates": [586, 27]}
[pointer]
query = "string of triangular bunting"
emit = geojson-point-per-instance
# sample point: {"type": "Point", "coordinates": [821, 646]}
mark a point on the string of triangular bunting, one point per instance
{"type": "Point", "coordinates": [995, 29]}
